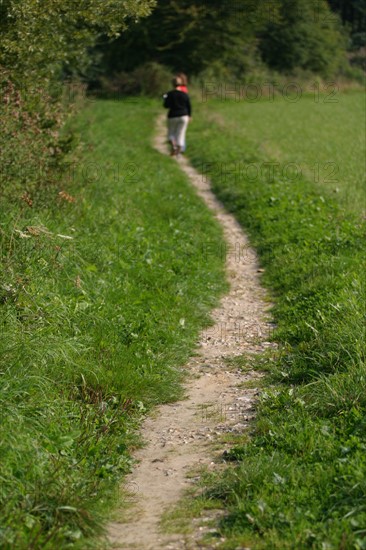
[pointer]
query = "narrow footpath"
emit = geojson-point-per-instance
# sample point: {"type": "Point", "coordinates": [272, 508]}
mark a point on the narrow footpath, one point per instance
{"type": "Point", "coordinates": [184, 437]}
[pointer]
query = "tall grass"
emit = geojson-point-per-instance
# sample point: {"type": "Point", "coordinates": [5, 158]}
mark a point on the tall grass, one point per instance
{"type": "Point", "coordinates": [300, 481]}
{"type": "Point", "coordinates": [103, 290]}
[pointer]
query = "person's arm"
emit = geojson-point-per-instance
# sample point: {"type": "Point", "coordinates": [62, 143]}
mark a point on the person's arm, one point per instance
{"type": "Point", "coordinates": [167, 99]}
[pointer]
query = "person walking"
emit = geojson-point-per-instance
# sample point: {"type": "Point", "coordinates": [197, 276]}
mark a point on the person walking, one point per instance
{"type": "Point", "coordinates": [179, 114]}
{"type": "Point", "coordinates": [183, 88]}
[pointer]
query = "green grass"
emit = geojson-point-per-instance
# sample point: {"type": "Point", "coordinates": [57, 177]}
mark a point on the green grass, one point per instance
{"type": "Point", "coordinates": [320, 137]}
{"type": "Point", "coordinates": [101, 302]}
{"type": "Point", "coordinates": [300, 481]}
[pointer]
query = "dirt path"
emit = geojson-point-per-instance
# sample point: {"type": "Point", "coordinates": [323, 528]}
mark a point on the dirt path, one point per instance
{"type": "Point", "coordinates": [185, 435]}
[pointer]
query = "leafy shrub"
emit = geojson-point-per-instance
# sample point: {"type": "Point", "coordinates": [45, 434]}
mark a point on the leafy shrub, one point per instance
{"type": "Point", "coordinates": [150, 79]}
{"type": "Point", "coordinates": [30, 143]}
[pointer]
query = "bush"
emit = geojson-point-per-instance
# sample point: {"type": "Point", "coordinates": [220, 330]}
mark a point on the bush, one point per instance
{"type": "Point", "coordinates": [149, 79]}
{"type": "Point", "coordinates": [358, 59]}
{"type": "Point", "coordinates": [32, 145]}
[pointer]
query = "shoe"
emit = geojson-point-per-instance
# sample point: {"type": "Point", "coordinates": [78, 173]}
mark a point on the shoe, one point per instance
{"type": "Point", "coordinates": [172, 148]}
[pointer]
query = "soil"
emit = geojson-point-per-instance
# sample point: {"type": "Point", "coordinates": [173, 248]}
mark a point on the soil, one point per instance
{"type": "Point", "coordinates": [187, 436]}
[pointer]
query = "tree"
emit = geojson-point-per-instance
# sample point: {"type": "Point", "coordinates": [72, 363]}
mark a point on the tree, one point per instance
{"type": "Point", "coordinates": [353, 15]}
{"type": "Point", "coordinates": [232, 36]}
{"type": "Point", "coordinates": [305, 35]}
{"type": "Point", "coordinates": [38, 40]}
{"type": "Point", "coordinates": [190, 36]}
{"type": "Point", "coordinates": [41, 43]}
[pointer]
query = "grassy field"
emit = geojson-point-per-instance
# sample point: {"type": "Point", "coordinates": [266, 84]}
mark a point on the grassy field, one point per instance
{"type": "Point", "coordinates": [104, 287]}
{"type": "Point", "coordinates": [300, 481]}
{"type": "Point", "coordinates": [319, 137]}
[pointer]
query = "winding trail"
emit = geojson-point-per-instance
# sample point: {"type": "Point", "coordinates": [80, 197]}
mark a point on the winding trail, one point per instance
{"type": "Point", "coordinates": [184, 436]}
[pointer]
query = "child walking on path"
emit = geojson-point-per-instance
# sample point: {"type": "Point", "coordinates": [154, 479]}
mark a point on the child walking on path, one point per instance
{"type": "Point", "coordinates": [180, 111]}
{"type": "Point", "coordinates": [183, 88]}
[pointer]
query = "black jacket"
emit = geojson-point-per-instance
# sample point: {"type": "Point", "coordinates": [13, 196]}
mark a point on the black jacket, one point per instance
{"type": "Point", "coordinates": [178, 104]}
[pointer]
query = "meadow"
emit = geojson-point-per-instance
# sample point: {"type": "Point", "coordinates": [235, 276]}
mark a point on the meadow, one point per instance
{"type": "Point", "coordinates": [300, 480]}
{"type": "Point", "coordinates": [106, 279]}
{"type": "Point", "coordinates": [315, 135]}
{"type": "Point", "coordinates": [104, 286]}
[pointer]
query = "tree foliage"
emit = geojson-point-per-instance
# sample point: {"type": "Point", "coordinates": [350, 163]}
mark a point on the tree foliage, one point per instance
{"type": "Point", "coordinates": [353, 15]}
{"type": "Point", "coordinates": [41, 44]}
{"type": "Point", "coordinates": [305, 35]}
{"type": "Point", "coordinates": [190, 35]}
{"type": "Point", "coordinates": [235, 35]}
{"type": "Point", "coordinates": [352, 12]}
{"type": "Point", "coordinates": [40, 41]}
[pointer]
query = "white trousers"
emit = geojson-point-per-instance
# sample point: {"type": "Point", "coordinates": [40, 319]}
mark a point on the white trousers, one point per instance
{"type": "Point", "coordinates": [177, 128]}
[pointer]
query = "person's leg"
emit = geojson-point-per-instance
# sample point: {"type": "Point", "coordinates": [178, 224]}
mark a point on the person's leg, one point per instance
{"type": "Point", "coordinates": [172, 135]}
{"type": "Point", "coordinates": [181, 132]}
